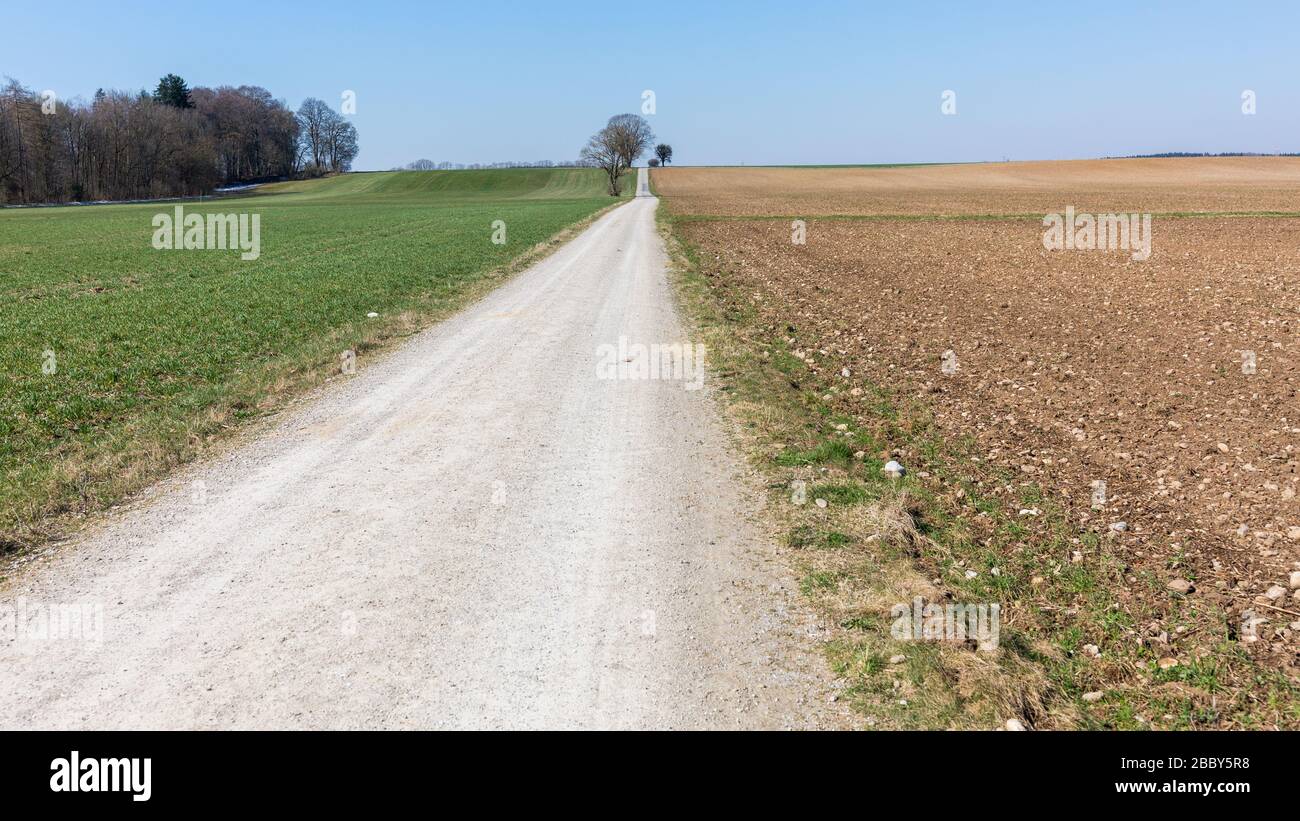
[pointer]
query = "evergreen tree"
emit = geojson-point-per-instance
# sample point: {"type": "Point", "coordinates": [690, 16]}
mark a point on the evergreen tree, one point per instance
{"type": "Point", "coordinates": [172, 91]}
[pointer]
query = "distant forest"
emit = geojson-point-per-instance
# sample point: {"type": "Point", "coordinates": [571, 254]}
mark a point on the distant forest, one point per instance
{"type": "Point", "coordinates": [173, 142]}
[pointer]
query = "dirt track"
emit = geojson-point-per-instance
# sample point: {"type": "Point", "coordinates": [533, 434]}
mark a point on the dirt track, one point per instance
{"type": "Point", "coordinates": [474, 531]}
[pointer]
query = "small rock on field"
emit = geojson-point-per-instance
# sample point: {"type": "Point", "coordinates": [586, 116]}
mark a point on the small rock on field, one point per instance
{"type": "Point", "coordinates": [1275, 592]}
{"type": "Point", "coordinates": [1092, 650]}
{"type": "Point", "coordinates": [1119, 527]}
{"type": "Point", "coordinates": [1092, 697]}
{"type": "Point", "coordinates": [1168, 662]}
{"type": "Point", "coordinates": [1014, 725]}
{"type": "Point", "coordinates": [899, 659]}
{"type": "Point", "coordinates": [1223, 447]}
{"type": "Point", "coordinates": [1181, 586]}
{"type": "Point", "coordinates": [1294, 581]}
{"type": "Point", "coordinates": [894, 470]}
{"type": "Point", "coordinates": [1293, 533]}
{"type": "Point", "coordinates": [371, 315]}
{"type": "Point", "coordinates": [861, 454]}
{"type": "Point", "coordinates": [821, 503]}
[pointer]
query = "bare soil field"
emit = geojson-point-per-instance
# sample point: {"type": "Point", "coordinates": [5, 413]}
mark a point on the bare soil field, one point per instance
{"type": "Point", "coordinates": [1071, 368]}
{"type": "Point", "coordinates": [1200, 184]}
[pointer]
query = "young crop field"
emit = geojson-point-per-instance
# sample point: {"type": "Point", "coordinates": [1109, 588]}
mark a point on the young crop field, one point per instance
{"type": "Point", "coordinates": [1105, 446]}
{"type": "Point", "coordinates": [119, 360]}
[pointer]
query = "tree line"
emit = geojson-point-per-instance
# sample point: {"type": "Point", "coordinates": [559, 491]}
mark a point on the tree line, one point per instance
{"type": "Point", "coordinates": [613, 148]}
{"type": "Point", "coordinates": [173, 142]}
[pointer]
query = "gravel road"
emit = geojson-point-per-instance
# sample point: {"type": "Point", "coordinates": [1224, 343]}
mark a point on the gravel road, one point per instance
{"type": "Point", "coordinates": [479, 529]}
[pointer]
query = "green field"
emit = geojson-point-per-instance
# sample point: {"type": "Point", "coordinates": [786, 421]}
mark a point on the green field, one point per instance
{"type": "Point", "coordinates": [158, 352]}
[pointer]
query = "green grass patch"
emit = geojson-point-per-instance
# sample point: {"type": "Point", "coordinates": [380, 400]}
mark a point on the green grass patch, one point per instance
{"type": "Point", "coordinates": [842, 493]}
{"type": "Point", "coordinates": [835, 451]}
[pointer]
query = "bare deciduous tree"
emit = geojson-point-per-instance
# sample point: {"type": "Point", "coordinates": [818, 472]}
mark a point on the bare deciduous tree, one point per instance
{"type": "Point", "coordinates": [314, 118]}
{"type": "Point", "coordinates": [633, 136]}
{"type": "Point", "coordinates": [616, 146]}
{"type": "Point", "coordinates": [602, 151]}
{"type": "Point", "coordinates": [342, 138]}
{"type": "Point", "coordinates": [329, 139]}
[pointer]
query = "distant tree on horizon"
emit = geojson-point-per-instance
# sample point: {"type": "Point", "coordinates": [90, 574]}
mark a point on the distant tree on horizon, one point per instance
{"type": "Point", "coordinates": [664, 152]}
{"type": "Point", "coordinates": [633, 136]}
{"type": "Point", "coordinates": [173, 91]}
{"type": "Point", "coordinates": [327, 137]}
{"type": "Point", "coordinates": [615, 147]}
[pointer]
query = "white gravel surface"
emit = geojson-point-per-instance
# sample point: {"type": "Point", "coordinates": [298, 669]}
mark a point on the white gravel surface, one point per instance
{"type": "Point", "coordinates": [473, 531]}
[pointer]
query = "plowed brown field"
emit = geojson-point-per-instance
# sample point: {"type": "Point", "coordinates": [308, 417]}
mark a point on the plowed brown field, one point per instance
{"type": "Point", "coordinates": [1073, 366]}
{"type": "Point", "coordinates": [1155, 185]}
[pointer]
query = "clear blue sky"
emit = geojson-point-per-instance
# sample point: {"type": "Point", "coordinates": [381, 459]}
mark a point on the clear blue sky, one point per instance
{"type": "Point", "coordinates": [756, 83]}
